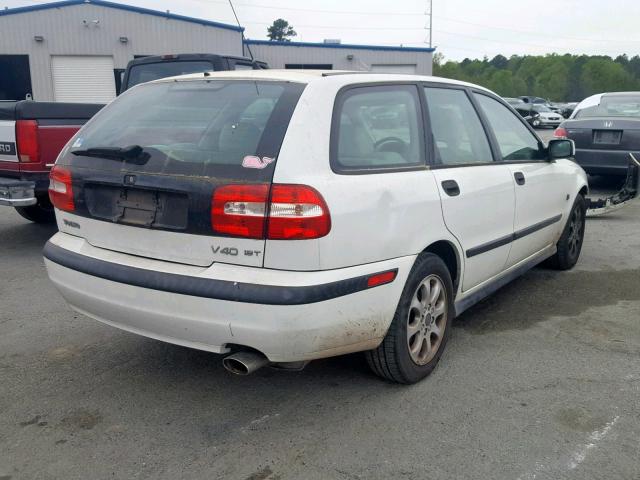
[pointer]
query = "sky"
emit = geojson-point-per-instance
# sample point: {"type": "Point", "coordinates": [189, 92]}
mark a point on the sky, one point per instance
{"type": "Point", "coordinates": [461, 28]}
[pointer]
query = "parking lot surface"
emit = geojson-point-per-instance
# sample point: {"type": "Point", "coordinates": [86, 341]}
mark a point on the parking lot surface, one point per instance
{"type": "Point", "coordinates": [540, 381]}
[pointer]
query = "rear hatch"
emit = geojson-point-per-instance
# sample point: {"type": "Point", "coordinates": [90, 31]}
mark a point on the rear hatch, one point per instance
{"type": "Point", "coordinates": [190, 139]}
{"type": "Point", "coordinates": [605, 133]}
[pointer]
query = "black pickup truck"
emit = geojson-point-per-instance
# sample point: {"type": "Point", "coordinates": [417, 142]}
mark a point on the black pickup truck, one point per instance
{"type": "Point", "coordinates": [33, 133]}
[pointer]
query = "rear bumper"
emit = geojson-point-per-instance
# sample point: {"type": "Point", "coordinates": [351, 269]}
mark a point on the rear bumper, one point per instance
{"type": "Point", "coordinates": [288, 316]}
{"type": "Point", "coordinates": [17, 193]}
{"type": "Point", "coordinates": [604, 162]}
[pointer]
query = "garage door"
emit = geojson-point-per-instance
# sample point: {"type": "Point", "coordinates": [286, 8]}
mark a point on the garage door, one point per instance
{"type": "Point", "coordinates": [83, 79]}
{"type": "Point", "coordinates": [388, 68]}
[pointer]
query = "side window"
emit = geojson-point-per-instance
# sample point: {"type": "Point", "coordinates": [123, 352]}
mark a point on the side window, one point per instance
{"type": "Point", "coordinates": [457, 130]}
{"type": "Point", "coordinates": [376, 128]}
{"type": "Point", "coordinates": [515, 140]}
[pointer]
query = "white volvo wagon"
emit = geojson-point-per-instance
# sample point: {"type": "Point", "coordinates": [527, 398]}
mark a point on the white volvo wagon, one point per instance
{"type": "Point", "coordinates": [281, 217]}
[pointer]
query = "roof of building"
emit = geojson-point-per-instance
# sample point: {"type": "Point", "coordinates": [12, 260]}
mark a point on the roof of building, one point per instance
{"type": "Point", "coordinates": [120, 6]}
{"type": "Point", "coordinates": [340, 45]}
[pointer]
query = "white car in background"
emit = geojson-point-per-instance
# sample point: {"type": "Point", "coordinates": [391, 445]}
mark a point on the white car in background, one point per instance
{"type": "Point", "coordinates": [547, 118]}
{"type": "Point", "coordinates": [278, 217]}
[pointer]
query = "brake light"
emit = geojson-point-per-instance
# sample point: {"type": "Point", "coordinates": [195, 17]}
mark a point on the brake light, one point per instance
{"type": "Point", "coordinates": [561, 132]}
{"type": "Point", "coordinates": [60, 189]}
{"type": "Point", "coordinates": [295, 212]}
{"type": "Point", "coordinates": [27, 141]}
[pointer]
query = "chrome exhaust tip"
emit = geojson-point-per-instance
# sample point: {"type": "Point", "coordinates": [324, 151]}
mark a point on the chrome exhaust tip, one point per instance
{"type": "Point", "coordinates": [245, 363]}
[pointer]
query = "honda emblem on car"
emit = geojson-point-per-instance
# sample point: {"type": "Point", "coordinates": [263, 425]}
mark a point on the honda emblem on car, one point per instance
{"type": "Point", "coordinates": [608, 124]}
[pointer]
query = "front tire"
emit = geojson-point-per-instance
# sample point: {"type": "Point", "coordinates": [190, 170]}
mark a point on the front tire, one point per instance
{"type": "Point", "coordinates": [570, 243]}
{"type": "Point", "coordinates": [41, 212]}
{"type": "Point", "coordinates": [421, 325]}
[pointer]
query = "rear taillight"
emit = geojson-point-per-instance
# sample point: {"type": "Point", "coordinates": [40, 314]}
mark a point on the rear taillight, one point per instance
{"type": "Point", "coordinates": [561, 132]}
{"type": "Point", "coordinates": [60, 189]}
{"type": "Point", "coordinates": [295, 212]}
{"type": "Point", "coordinates": [27, 141]}
{"type": "Point", "coordinates": [239, 210]}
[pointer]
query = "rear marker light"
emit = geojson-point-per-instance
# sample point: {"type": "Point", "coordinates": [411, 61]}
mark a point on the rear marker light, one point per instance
{"type": "Point", "coordinates": [60, 189]}
{"type": "Point", "coordinates": [560, 133]}
{"type": "Point", "coordinates": [381, 278]}
{"type": "Point", "coordinates": [296, 212]}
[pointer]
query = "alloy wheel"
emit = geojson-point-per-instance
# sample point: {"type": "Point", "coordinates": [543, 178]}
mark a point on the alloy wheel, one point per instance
{"type": "Point", "coordinates": [427, 319]}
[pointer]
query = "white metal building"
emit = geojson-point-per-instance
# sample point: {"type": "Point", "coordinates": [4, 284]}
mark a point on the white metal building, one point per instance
{"type": "Point", "coordinates": [74, 50]}
{"type": "Point", "coordinates": [337, 56]}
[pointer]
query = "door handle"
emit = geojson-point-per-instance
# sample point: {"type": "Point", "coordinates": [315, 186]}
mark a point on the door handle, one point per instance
{"type": "Point", "coordinates": [519, 176]}
{"type": "Point", "coordinates": [451, 188]}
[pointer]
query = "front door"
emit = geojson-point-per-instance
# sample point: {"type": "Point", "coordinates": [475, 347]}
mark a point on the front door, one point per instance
{"type": "Point", "coordinates": [477, 194]}
{"type": "Point", "coordinates": [540, 185]}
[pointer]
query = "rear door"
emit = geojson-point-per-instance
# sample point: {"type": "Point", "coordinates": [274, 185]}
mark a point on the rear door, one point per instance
{"type": "Point", "coordinates": [541, 187]}
{"type": "Point", "coordinates": [477, 193]}
{"type": "Point", "coordinates": [197, 137]}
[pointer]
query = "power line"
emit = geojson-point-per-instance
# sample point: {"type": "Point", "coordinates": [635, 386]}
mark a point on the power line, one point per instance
{"type": "Point", "coordinates": [581, 39]}
{"type": "Point", "coordinates": [343, 26]}
{"type": "Point", "coordinates": [311, 10]}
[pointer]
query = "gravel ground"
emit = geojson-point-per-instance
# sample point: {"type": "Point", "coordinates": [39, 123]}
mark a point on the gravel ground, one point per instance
{"type": "Point", "coordinates": [540, 381]}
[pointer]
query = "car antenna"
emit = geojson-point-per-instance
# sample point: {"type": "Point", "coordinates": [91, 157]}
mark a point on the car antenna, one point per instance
{"type": "Point", "coordinates": [241, 31]}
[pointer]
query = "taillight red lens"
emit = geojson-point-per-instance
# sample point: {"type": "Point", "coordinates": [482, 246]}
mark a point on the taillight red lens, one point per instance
{"type": "Point", "coordinates": [561, 132]}
{"type": "Point", "coordinates": [60, 189]}
{"type": "Point", "coordinates": [297, 212]}
{"type": "Point", "coordinates": [239, 210]}
{"type": "Point", "coordinates": [27, 141]}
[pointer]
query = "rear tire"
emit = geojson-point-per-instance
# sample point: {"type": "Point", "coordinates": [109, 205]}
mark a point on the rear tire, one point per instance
{"type": "Point", "coordinates": [420, 327]}
{"type": "Point", "coordinates": [41, 212]}
{"type": "Point", "coordinates": [570, 243]}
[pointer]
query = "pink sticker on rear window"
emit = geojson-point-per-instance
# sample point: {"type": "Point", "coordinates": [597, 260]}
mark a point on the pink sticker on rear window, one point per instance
{"type": "Point", "coordinates": [251, 161]}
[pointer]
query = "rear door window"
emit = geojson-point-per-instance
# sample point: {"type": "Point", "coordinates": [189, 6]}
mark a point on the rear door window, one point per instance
{"type": "Point", "coordinates": [458, 134]}
{"type": "Point", "coordinates": [377, 128]}
{"type": "Point", "coordinates": [515, 140]}
{"type": "Point", "coordinates": [199, 127]}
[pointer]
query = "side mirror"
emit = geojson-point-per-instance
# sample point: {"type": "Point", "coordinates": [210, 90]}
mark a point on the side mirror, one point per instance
{"type": "Point", "coordinates": [561, 148]}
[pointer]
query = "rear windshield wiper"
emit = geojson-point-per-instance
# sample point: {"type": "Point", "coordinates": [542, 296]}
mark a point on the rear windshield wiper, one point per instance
{"type": "Point", "coordinates": [132, 153]}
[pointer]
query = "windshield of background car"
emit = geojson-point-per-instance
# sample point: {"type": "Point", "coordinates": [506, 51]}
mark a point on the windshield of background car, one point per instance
{"type": "Point", "coordinates": [147, 72]}
{"type": "Point", "coordinates": [542, 108]}
{"type": "Point", "coordinates": [197, 127]}
{"type": "Point", "coordinates": [616, 106]}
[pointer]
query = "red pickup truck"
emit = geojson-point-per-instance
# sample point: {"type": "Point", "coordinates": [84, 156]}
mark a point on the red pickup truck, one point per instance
{"type": "Point", "coordinates": [31, 136]}
{"type": "Point", "coordinates": [33, 133]}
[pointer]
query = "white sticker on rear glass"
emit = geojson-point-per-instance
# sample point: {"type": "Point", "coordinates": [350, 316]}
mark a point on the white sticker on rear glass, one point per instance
{"type": "Point", "coordinates": [251, 161]}
{"type": "Point", "coordinates": [77, 143]}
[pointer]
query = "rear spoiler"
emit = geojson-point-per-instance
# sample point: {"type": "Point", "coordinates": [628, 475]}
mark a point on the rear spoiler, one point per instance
{"type": "Point", "coordinates": [629, 192]}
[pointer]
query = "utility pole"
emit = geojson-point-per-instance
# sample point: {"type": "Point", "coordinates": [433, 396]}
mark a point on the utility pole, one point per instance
{"type": "Point", "coordinates": [430, 23]}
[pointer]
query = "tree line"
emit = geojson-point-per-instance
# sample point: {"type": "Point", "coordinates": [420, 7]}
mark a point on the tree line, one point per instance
{"type": "Point", "coordinates": [559, 78]}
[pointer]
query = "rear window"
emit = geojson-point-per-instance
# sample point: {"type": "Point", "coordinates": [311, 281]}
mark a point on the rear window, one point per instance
{"type": "Point", "coordinates": [614, 106]}
{"type": "Point", "coordinates": [147, 72]}
{"type": "Point", "coordinates": [197, 127]}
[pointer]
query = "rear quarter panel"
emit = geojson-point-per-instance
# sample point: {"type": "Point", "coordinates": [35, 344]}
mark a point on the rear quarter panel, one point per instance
{"type": "Point", "coordinates": [374, 217]}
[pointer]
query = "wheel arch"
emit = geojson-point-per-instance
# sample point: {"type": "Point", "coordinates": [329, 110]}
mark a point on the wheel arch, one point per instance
{"type": "Point", "coordinates": [450, 255]}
